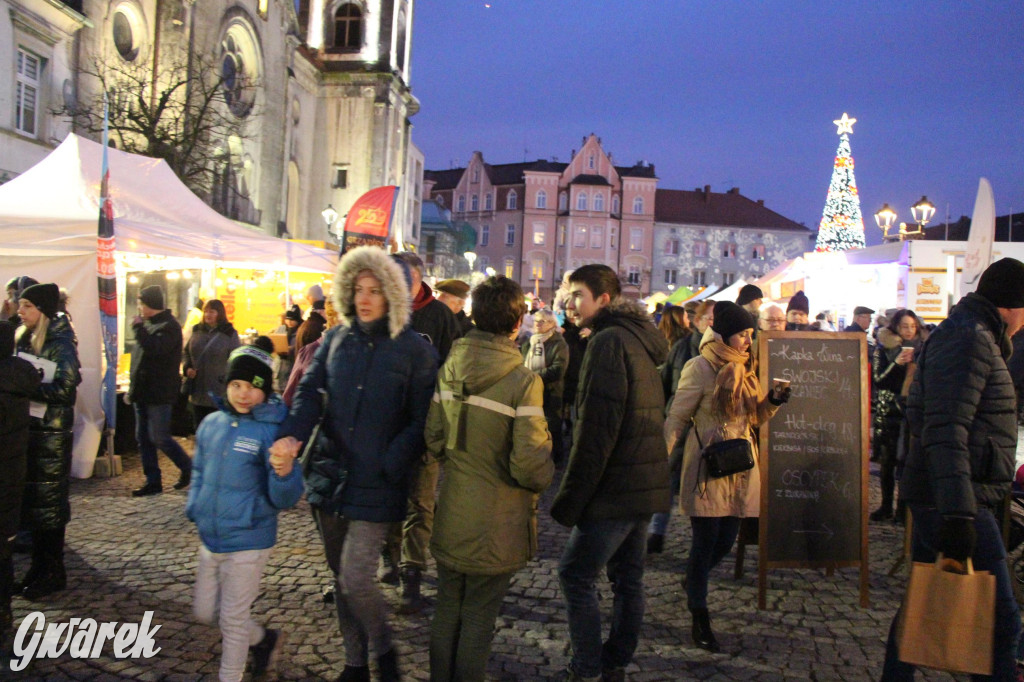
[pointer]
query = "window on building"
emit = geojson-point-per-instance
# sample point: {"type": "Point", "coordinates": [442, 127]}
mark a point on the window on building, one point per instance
{"type": "Point", "coordinates": [700, 278]}
{"type": "Point", "coordinates": [439, 199]}
{"type": "Point", "coordinates": [672, 247]}
{"type": "Point", "coordinates": [340, 180]}
{"type": "Point", "coordinates": [563, 202]}
{"type": "Point", "coordinates": [636, 239]}
{"type": "Point", "coordinates": [485, 235]}
{"type": "Point", "coordinates": [510, 235]}
{"type": "Point", "coordinates": [758, 252]}
{"type": "Point", "coordinates": [633, 275]}
{"type": "Point", "coordinates": [598, 202]}
{"type": "Point", "coordinates": [476, 175]}
{"type": "Point", "coordinates": [126, 33]}
{"type": "Point", "coordinates": [638, 205]}
{"type": "Point", "coordinates": [542, 199]}
{"type": "Point", "coordinates": [537, 269]}
{"type": "Point", "coordinates": [510, 267]}
{"type": "Point", "coordinates": [729, 250]}
{"type": "Point", "coordinates": [488, 201]}
{"type": "Point", "coordinates": [581, 201]}
{"type": "Point", "coordinates": [483, 262]}
{"type": "Point", "coordinates": [27, 95]}
{"type": "Point", "coordinates": [512, 200]}
{"type": "Point", "coordinates": [615, 205]}
{"type": "Point", "coordinates": [700, 249]}
{"type": "Point", "coordinates": [591, 162]}
{"type": "Point", "coordinates": [348, 27]}
{"type": "Point", "coordinates": [461, 204]}
{"type": "Point", "coordinates": [474, 203]}
{"type": "Point", "coordinates": [561, 234]}
{"type": "Point", "coordinates": [579, 239]}
{"type": "Point", "coordinates": [728, 278]}
{"type": "Point", "coordinates": [596, 237]}
{"type": "Point", "coordinates": [670, 276]}
{"type": "Point", "coordinates": [613, 237]}
{"type": "Point", "coordinates": [539, 234]}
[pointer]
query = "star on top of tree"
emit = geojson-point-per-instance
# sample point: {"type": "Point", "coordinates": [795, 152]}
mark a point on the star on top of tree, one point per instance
{"type": "Point", "coordinates": [845, 124]}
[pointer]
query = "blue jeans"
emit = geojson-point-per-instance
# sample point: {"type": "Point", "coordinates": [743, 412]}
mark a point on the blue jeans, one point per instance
{"type": "Point", "coordinates": [989, 555]}
{"type": "Point", "coordinates": [152, 431]}
{"type": "Point", "coordinates": [620, 546]}
{"type": "Point", "coordinates": [713, 537]}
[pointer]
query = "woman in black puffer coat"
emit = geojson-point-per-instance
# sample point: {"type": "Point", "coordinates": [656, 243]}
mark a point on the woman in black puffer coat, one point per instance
{"type": "Point", "coordinates": [45, 508]}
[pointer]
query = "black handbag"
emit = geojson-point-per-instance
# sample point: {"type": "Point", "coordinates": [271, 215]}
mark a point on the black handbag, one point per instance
{"type": "Point", "coordinates": [726, 457]}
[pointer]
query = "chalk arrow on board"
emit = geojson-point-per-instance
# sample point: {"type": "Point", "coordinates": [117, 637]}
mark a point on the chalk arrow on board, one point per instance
{"type": "Point", "coordinates": [825, 530]}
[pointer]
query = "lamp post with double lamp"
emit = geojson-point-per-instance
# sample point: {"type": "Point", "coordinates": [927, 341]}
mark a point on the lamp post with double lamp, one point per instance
{"type": "Point", "coordinates": [330, 216]}
{"type": "Point", "coordinates": [923, 211]}
{"type": "Point", "coordinates": [470, 257]}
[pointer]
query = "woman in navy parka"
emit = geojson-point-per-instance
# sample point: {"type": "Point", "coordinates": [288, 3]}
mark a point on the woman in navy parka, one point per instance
{"type": "Point", "coordinates": [379, 377]}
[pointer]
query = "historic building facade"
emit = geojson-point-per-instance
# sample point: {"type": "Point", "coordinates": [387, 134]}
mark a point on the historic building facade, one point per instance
{"type": "Point", "coordinates": [319, 90]}
{"type": "Point", "coordinates": [704, 238]}
{"type": "Point", "coordinates": [536, 220]}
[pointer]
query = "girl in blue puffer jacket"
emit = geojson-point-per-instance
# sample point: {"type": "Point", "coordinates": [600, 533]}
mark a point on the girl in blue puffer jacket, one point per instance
{"type": "Point", "coordinates": [237, 490]}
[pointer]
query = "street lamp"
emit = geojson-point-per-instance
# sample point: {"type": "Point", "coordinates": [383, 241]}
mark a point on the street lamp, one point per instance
{"type": "Point", "coordinates": [471, 257]}
{"type": "Point", "coordinates": [490, 271]}
{"type": "Point", "coordinates": [922, 211]}
{"type": "Point", "coordinates": [330, 215]}
{"type": "Point", "coordinates": [884, 218]}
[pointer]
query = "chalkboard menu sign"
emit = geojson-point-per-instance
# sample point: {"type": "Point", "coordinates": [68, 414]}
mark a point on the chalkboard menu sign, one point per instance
{"type": "Point", "coordinates": [814, 454]}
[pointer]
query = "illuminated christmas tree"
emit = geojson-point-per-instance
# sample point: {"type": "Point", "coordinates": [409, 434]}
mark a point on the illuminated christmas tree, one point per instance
{"type": "Point", "coordinates": [841, 225]}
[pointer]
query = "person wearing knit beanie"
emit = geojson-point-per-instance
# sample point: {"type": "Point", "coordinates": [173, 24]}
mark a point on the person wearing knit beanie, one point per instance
{"type": "Point", "coordinates": [796, 312]}
{"type": "Point", "coordinates": [730, 319]}
{"type": "Point", "coordinates": [251, 364]}
{"type": "Point", "coordinates": [294, 314]}
{"type": "Point", "coordinates": [1002, 283]}
{"type": "Point", "coordinates": [45, 297]}
{"type": "Point", "coordinates": [750, 298]}
{"type": "Point", "coordinates": [152, 297]}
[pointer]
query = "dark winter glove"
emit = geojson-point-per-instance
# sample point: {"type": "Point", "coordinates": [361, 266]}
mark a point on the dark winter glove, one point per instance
{"type": "Point", "coordinates": [780, 397]}
{"type": "Point", "coordinates": [957, 538]}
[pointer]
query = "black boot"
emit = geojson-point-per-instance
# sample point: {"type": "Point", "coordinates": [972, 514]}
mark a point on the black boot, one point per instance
{"type": "Point", "coordinates": [355, 673]}
{"type": "Point", "coordinates": [702, 635]}
{"type": "Point", "coordinates": [412, 602]}
{"type": "Point", "coordinates": [655, 543]}
{"type": "Point", "coordinates": [46, 574]}
{"type": "Point", "coordinates": [388, 664]}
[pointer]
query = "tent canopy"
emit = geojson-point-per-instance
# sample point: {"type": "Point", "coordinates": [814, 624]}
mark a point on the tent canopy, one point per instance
{"type": "Point", "coordinates": [48, 223]}
{"type": "Point", "coordinates": [52, 209]}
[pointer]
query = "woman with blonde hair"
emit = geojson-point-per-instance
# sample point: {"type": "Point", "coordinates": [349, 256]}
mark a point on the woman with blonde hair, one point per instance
{"type": "Point", "coordinates": [46, 507]}
{"type": "Point", "coordinates": [718, 392]}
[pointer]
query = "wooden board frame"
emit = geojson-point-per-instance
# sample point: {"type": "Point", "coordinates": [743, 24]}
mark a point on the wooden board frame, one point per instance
{"type": "Point", "coordinates": [765, 463]}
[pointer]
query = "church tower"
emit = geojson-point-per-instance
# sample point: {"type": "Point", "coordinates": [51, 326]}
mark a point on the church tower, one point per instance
{"type": "Point", "coordinates": [352, 75]}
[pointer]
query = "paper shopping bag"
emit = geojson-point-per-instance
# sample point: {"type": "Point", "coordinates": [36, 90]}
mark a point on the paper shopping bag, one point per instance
{"type": "Point", "coordinates": [947, 619]}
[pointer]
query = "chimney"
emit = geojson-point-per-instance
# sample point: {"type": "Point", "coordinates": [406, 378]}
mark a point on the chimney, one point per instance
{"type": "Point", "coordinates": [760, 202]}
{"type": "Point", "coordinates": [734, 190]}
{"type": "Point", "coordinates": [707, 195]}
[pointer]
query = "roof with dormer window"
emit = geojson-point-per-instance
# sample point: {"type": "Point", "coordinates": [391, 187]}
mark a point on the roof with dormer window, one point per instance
{"type": "Point", "coordinates": [589, 179]}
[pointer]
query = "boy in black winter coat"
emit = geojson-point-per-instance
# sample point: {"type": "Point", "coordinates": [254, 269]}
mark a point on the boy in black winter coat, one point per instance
{"type": "Point", "coordinates": [18, 380]}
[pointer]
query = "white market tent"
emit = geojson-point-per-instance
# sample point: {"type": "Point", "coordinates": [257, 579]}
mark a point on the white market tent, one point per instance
{"type": "Point", "coordinates": [730, 292]}
{"type": "Point", "coordinates": [48, 223]}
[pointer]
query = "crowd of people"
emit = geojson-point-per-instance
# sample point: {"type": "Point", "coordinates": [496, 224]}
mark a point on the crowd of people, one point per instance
{"type": "Point", "coordinates": [362, 400]}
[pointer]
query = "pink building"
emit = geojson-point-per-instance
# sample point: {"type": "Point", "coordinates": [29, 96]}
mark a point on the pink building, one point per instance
{"type": "Point", "coordinates": [536, 220]}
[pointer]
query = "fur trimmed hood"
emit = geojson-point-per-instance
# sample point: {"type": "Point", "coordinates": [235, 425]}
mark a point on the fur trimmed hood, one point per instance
{"type": "Point", "coordinates": [891, 341]}
{"type": "Point", "coordinates": [392, 277]}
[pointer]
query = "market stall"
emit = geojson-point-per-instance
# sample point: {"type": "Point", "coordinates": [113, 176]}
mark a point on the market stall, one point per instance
{"type": "Point", "coordinates": [48, 223]}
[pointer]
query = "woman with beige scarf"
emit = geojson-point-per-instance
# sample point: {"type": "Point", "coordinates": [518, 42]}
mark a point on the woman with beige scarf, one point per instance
{"type": "Point", "coordinates": [547, 354]}
{"type": "Point", "coordinates": [721, 394]}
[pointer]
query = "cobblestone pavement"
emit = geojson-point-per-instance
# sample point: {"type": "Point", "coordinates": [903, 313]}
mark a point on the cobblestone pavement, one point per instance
{"type": "Point", "coordinates": [127, 556]}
